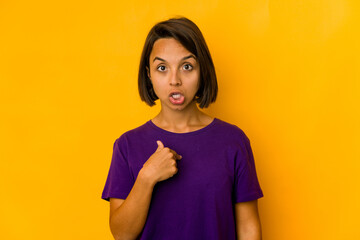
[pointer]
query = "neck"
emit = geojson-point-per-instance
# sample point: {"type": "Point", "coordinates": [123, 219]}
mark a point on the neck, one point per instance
{"type": "Point", "coordinates": [180, 119]}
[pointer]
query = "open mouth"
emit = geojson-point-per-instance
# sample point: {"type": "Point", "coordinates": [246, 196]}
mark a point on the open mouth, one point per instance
{"type": "Point", "coordinates": [176, 98]}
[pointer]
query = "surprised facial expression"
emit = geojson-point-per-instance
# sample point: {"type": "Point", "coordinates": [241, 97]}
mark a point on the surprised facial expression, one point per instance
{"type": "Point", "coordinates": [174, 73]}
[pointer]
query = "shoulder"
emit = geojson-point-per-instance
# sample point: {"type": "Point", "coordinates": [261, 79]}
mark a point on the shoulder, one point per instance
{"type": "Point", "coordinates": [135, 133]}
{"type": "Point", "coordinates": [231, 130]}
{"type": "Point", "coordinates": [235, 140]}
{"type": "Point", "coordinates": [232, 137]}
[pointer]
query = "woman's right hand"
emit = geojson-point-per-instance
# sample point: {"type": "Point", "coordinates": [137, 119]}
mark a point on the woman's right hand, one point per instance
{"type": "Point", "coordinates": [161, 165]}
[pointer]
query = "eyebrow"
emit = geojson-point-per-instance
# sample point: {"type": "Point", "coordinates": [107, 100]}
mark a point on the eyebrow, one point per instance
{"type": "Point", "coordinates": [184, 58]}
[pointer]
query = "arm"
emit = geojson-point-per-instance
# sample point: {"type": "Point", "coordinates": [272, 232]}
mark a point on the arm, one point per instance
{"type": "Point", "coordinates": [247, 218]}
{"type": "Point", "coordinates": [127, 217]}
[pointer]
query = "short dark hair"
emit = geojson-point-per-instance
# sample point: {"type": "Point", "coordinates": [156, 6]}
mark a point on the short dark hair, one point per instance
{"type": "Point", "coordinates": [189, 35]}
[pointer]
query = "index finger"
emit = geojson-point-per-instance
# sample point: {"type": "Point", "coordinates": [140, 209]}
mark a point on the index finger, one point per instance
{"type": "Point", "coordinates": [177, 156]}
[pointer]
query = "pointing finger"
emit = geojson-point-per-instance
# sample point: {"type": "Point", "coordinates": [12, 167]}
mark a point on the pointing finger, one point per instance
{"type": "Point", "coordinates": [177, 156]}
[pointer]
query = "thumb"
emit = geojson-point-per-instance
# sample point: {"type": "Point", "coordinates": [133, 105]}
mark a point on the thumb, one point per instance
{"type": "Point", "coordinates": [160, 145]}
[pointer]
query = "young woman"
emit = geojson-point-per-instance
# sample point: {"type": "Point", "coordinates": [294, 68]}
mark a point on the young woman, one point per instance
{"type": "Point", "coordinates": [183, 174]}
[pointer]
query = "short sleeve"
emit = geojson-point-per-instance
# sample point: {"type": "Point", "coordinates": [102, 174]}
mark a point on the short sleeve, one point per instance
{"type": "Point", "coordinates": [247, 187]}
{"type": "Point", "coordinates": [119, 180]}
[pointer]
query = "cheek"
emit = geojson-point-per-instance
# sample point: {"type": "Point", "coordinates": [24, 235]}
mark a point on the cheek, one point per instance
{"type": "Point", "coordinates": [158, 85]}
{"type": "Point", "coordinates": [197, 82]}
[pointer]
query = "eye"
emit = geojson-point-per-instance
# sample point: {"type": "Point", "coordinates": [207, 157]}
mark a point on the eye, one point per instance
{"type": "Point", "coordinates": [188, 67]}
{"type": "Point", "coordinates": [161, 68]}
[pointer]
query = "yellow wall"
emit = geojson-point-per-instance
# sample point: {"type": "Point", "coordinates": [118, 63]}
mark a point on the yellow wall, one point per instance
{"type": "Point", "coordinates": [288, 74]}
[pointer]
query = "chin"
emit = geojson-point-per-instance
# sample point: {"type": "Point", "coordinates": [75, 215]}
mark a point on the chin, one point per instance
{"type": "Point", "coordinates": [181, 107]}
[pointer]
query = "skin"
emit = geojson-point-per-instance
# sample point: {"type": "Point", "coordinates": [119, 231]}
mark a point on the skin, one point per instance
{"type": "Point", "coordinates": [172, 68]}
{"type": "Point", "coordinates": [175, 74]}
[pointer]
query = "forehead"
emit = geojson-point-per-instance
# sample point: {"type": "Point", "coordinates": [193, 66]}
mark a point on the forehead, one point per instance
{"type": "Point", "coordinates": [168, 48]}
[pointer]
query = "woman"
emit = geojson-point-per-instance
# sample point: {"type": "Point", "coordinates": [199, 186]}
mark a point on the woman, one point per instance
{"type": "Point", "coordinates": [183, 174]}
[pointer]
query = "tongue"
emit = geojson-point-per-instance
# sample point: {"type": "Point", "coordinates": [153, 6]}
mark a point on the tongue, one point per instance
{"type": "Point", "coordinates": [177, 100]}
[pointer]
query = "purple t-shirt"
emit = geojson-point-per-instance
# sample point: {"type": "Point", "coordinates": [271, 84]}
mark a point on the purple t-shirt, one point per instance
{"type": "Point", "coordinates": [216, 171]}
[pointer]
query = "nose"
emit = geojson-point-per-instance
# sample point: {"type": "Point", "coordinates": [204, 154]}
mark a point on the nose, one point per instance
{"type": "Point", "coordinates": [175, 79]}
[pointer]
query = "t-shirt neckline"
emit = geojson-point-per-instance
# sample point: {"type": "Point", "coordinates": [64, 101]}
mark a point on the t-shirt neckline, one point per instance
{"type": "Point", "coordinates": [204, 129]}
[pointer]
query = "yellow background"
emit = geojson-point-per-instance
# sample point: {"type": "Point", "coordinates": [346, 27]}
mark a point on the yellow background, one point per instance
{"type": "Point", "coordinates": [288, 74]}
